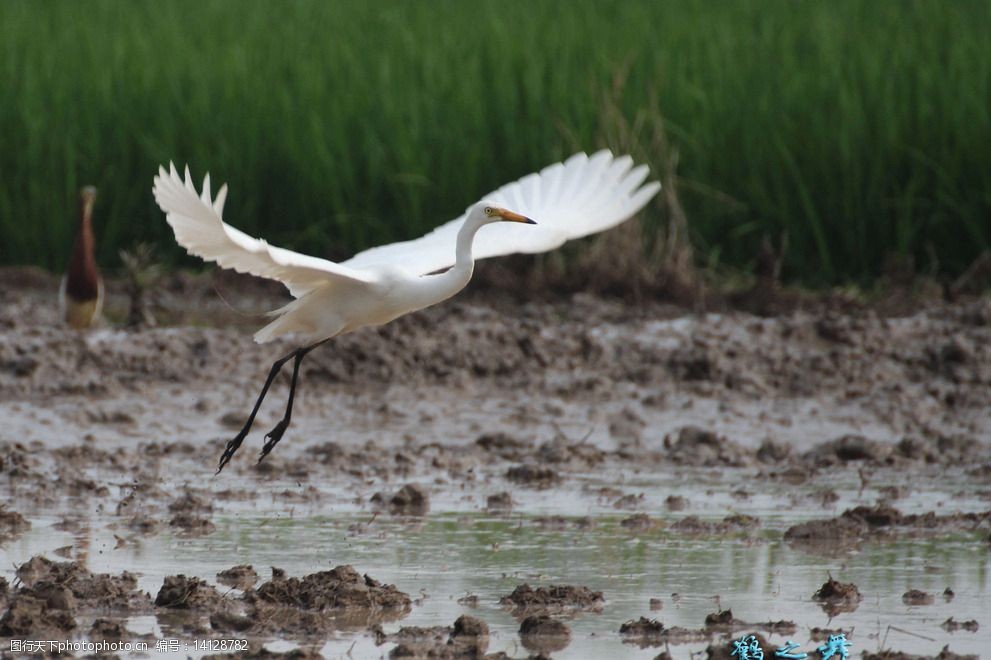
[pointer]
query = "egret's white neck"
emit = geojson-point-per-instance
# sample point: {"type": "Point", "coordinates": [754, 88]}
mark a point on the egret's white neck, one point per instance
{"type": "Point", "coordinates": [448, 283]}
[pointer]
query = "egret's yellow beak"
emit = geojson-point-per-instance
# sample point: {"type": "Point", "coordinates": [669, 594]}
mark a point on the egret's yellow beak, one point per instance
{"type": "Point", "coordinates": [509, 216]}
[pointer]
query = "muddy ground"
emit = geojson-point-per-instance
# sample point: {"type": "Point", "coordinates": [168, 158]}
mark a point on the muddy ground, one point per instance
{"type": "Point", "coordinates": [580, 477]}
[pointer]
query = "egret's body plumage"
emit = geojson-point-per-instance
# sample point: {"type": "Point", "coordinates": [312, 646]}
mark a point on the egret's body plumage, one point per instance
{"type": "Point", "coordinates": [581, 196]}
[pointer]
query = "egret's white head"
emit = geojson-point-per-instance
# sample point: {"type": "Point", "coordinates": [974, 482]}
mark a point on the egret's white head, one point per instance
{"type": "Point", "coordinates": [485, 212]}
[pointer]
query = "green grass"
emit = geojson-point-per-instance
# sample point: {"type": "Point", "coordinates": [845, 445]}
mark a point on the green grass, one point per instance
{"type": "Point", "coordinates": [859, 128]}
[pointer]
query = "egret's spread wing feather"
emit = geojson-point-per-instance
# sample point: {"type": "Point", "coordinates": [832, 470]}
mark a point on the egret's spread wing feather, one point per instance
{"type": "Point", "coordinates": [581, 196]}
{"type": "Point", "coordinates": [196, 220]}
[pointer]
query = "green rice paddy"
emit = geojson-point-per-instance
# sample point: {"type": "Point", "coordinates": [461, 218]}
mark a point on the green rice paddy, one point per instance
{"type": "Point", "coordinates": [860, 129]}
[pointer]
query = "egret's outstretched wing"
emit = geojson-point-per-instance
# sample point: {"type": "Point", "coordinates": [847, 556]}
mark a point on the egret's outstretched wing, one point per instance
{"type": "Point", "coordinates": [581, 196]}
{"type": "Point", "coordinates": [196, 221]}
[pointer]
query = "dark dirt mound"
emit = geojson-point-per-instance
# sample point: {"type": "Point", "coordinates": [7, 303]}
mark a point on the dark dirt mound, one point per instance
{"type": "Point", "coordinates": [467, 638]}
{"type": "Point", "coordinates": [879, 522]}
{"type": "Point", "coordinates": [553, 598]}
{"type": "Point", "coordinates": [542, 634]}
{"type": "Point", "coordinates": [837, 597]}
{"type": "Point", "coordinates": [342, 588]}
{"type": "Point", "coordinates": [110, 630]}
{"type": "Point", "coordinates": [832, 535]}
{"type": "Point", "coordinates": [190, 525]}
{"type": "Point", "coordinates": [12, 524]}
{"type": "Point", "coordinates": [952, 625]}
{"type": "Point", "coordinates": [533, 476]}
{"type": "Point", "coordinates": [732, 524]}
{"type": "Point", "coordinates": [191, 502]}
{"type": "Point", "coordinates": [89, 590]}
{"type": "Point", "coordinates": [848, 448]}
{"type": "Point", "coordinates": [639, 522]}
{"type": "Point", "coordinates": [643, 632]}
{"type": "Point", "coordinates": [651, 632]}
{"type": "Point", "coordinates": [503, 445]}
{"type": "Point", "coordinates": [566, 454]}
{"type": "Point", "coordinates": [52, 593]}
{"type": "Point", "coordinates": [241, 577]}
{"type": "Point", "coordinates": [189, 593]}
{"type": "Point", "coordinates": [410, 500]}
{"type": "Point", "coordinates": [699, 447]}
{"type": "Point", "coordinates": [723, 620]}
{"type": "Point", "coordinates": [31, 616]}
{"type": "Point", "coordinates": [499, 503]}
{"type": "Point", "coordinates": [917, 597]}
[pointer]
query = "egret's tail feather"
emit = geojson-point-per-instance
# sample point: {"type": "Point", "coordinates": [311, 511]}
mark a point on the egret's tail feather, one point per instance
{"type": "Point", "coordinates": [304, 318]}
{"type": "Point", "coordinates": [283, 325]}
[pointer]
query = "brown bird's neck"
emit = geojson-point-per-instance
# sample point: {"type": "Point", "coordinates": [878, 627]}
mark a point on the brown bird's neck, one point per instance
{"type": "Point", "coordinates": [82, 277]}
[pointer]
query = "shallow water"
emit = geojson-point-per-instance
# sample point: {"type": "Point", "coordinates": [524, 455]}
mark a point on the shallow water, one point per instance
{"type": "Point", "coordinates": [459, 549]}
{"type": "Point", "coordinates": [153, 408]}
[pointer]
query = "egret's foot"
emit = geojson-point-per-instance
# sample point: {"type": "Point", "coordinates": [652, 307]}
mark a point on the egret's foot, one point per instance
{"type": "Point", "coordinates": [232, 446]}
{"type": "Point", "coordinates": [272, 438]}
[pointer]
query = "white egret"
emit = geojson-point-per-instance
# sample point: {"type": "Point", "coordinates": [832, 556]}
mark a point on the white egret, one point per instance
{"type": "Point", "coordinates": [578, 197]}
{"type": "Point", "coordinates": [81, 292]}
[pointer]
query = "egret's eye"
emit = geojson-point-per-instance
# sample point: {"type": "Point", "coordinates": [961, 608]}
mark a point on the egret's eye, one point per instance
{"type": "Point", "coordinates": [488, 210]}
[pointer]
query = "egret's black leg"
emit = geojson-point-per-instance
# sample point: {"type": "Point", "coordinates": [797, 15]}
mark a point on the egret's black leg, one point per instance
{"type": "Point", "coordinates": [236, 441]}
{"type": "Point", "coordinates": [272, 437]}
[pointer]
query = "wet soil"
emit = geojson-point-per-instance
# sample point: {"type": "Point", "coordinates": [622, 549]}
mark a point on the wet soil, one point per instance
{"type": "Point", "coordinates": [643, 440]}
{"type": "Point", "coordinates": [552, 599]}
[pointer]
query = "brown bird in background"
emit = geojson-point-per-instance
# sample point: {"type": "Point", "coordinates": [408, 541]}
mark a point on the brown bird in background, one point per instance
{"type": "Point", "coordinates": [81, 293]}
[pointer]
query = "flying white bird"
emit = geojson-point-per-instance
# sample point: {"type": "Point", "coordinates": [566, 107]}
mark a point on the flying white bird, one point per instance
{"type": "Point", "coordinates": [581, 196]}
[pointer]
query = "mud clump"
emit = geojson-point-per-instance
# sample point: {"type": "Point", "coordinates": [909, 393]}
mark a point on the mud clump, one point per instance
{"type": "Point", "coordinates": [629, 501]}
{"type": "Point", "coordinates": [542, 634]}
{"type": "Point", "coordinates": [241, 577]}
{"type": "Point", "coordinates": [503, 445]}
{"type": "Point", "coordinates": [643, 632]}
{"type": "Point", "coordinates": [650, 632]}
{"type": "Point", "coordinates": [952, 625]}
{"type": "Point", "coordinates": [29, 615]}
{"type": "Point", "coordinates": [837, 597]}
{"type": "Point", "coordinates": [533, 476]}
{"type": "Point", "coordinates": [191, 502]}
{"type": "Point", "coordinates": [773, 453]}
{"type": "Point", "coordinates": [846, 449]}
{"type": "Point", "coordinates": [52, 592]}
{"type": "Point", "coordinates": [675, 503]}
{"type": "Point", "coordinates": [638, 522]}
{"type": "Point", "coordinates": [877, 522]}
{"type": "Point", "coordinates": [12, 524]}
{"type": "Point", "coordinates": [410, 500]}
{"type": "Point", "coordinates": [731, 524]}
{"type": "Point", "coordinates": [190, 525]}
{"type": "Point", "coordinates": [467, 638]}
{"type": "Point", "coordinates": [89, 590]}
{"type": "Point", "coordinates": [723, 620]}
{"type": "Point", "coordinates": [701, 448]}
{"type": "Point", "coordinates": [110, 630]}
{"type": "Point", "coordinates": [578, 455]}
{"type": "Point", "coordinates": [340, 589]}
{"type": "Point", "coordinates": [552, 599]}
{"type": "Point", "coordinates": [499, 503]}
{"type": "Point", "coordinates": [917, 597]}
{"type": "Point", "coordinates": [188, 593]}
